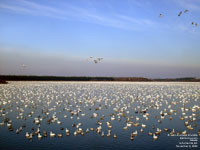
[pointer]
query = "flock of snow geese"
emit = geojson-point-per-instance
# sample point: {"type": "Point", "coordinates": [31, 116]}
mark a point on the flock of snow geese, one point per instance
{"type": "Point", "coordinates": [77, 109]}
{"type": "Point", "coordinates": [179, 15]}
{"type": "Point", "coordinates": [95, 60]}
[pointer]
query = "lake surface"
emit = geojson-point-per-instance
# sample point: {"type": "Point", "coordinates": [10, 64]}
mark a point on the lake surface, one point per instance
{"type": "Point", "coordinates": [169, 111]}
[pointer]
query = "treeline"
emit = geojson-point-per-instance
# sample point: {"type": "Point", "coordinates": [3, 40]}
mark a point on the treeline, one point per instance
{"type": "Point", "coordinates": [59, 78]}
{"type": "Point", "coordinates": [186, 79]}
{"type": "Point", "coordinates": [132, 79]}
{"type": "Point", "coordinates": [4, 78]}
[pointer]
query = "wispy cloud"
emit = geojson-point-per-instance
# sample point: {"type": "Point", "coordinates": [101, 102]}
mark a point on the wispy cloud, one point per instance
{"type": "Point", "coordinates": [142, 22]}
{"type": "Point", "coordinates": [76, 13]}
{"type": "Point", "coordinates": [91, 13]}
{"type": "Point", "coordinates": [15, 8]}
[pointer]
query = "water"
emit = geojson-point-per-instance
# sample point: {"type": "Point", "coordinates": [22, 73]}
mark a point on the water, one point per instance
{"type": "Point", "coordinates": [21, 102]}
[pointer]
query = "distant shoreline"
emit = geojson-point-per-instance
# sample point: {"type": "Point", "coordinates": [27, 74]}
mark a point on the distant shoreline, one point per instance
{"type": "Point", "coordinates": [4, 78]}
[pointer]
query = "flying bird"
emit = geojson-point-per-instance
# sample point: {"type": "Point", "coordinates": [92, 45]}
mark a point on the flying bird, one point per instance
{"type": "Point", "coordinates": [185, 11]}
{"type": "Point", "coordinates": [95, 61]}
{"type": "Point", "coordinates": [99, 59]}
{"type": "Point", "coordinates": [180, 13]}
{"type": "Point", "coordinates": [160, 16]}
{"type": "Point", "coordinates": [196, 24]}
{"type": "Point", "coordinates": [23, 66]}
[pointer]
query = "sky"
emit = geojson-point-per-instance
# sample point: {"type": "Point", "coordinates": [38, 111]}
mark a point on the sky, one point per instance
{"type": "Point", "coordinates": [58, 37]}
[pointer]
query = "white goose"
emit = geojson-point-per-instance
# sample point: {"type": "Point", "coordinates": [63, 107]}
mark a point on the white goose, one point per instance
{"type": "Point", "coordinates": [52, 134]}
{"type": "Point", "coordinates": [155, 137]}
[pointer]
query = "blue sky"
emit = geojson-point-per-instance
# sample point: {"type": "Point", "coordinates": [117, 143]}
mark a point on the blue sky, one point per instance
{"type": "Point", "coordinates": [55, 37]}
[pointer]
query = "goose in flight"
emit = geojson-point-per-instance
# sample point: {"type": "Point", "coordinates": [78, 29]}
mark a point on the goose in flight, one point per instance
{"type": "Point", "coordinates": [23, 66]}
{"type": "Point", "coordinates": [196, 24]}
{"type": "Point", "coordinates": [95, 61]}
{"type": "Point", "coordinates": [180, 13]}
{"type": "Point", "coordinates": [99, 59]}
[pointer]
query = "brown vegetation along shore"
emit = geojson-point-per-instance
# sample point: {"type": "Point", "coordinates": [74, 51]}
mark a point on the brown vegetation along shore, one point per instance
{"type": "Point", "coordinates": [60, 78]}
{"type": "Point", "coordinates": [3, 82]}
{"type": "Point", "coordinates": [186, 79]}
